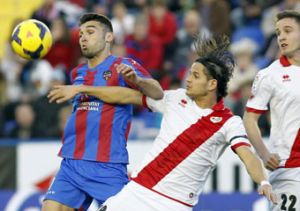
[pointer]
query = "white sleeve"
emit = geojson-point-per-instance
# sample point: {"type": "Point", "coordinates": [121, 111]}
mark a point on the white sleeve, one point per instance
{"type": "Point", "coordinates": [235, 133]}
{"type": "Point", "coordinates": [159, 105]}
{"type": "Point", "coordinates": [261, 92]}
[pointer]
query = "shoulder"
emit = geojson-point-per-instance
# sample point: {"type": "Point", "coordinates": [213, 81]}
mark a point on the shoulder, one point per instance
{"type": "Point", "coordinates": [274, 67]}
{"type": "Point", "coordinates": [175, 93]}
{"type": "Point", "coordinates": [234, 122]}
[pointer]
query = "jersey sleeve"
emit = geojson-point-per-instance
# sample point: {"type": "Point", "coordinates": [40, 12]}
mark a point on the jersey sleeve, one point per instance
{"type": "Point", "coordinates": [139, 69]}
{"type": "Point", "coordinates": [235, 133]}
{"type": "Point", "coordinates": [158, 105]}
{"type": "Point", "coordinates": [261, 93]}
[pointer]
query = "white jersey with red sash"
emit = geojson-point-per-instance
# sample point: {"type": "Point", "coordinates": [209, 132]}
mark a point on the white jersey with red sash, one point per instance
{"type": "Point", "coordinates": [190, 142]}
{"type": "Point", "coordinates": [279, 87]}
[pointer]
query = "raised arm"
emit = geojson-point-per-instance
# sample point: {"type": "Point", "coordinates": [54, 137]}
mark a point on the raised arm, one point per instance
{"type": "Point", "coordinates": [148, 86]}
{"type": "Point", "coordinates": [112, 94]}
{"type": "Point", "coordinates": [271, 161]}
{"type": "Point", "coordinates": [256, 172]}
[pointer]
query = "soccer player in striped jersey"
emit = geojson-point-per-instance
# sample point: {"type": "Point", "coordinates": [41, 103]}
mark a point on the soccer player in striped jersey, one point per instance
{"type": "Point", "coordinates": [94, 140]}
{"type": "Point", "coordinates": [277, 88]}
{"type": "Point", "coordinates": [196, 129]}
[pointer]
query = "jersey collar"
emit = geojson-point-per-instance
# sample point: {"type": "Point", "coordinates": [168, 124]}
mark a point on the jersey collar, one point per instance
{"type": "Point", "coordinates": [284, 61]}
{"type": "Point", "coordinates": [219, 105]}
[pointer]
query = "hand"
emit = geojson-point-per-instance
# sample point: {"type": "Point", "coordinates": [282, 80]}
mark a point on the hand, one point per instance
{"type": "Point", "coordinates": [62, 93]}
{"type": "Point", "coordinates": [271, 161]}
{"type": "Point", "coordinates": [128, 73]}
{"type": "Point", "coordinates": [266, 190]}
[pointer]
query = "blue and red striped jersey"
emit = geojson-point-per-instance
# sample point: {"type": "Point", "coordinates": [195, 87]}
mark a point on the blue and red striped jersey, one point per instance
{"type": "Point", "coordinates": [95, 130]}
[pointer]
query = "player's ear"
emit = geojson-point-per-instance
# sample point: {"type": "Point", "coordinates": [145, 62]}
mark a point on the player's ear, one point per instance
{"type": "Point", "coordinates": [213, 84]}
{"type": "Point", "coordinates": [109, 37]}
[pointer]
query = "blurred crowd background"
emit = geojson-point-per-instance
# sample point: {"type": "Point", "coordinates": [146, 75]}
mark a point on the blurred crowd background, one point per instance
{"type": "Point", "coordinates": [159, 34]}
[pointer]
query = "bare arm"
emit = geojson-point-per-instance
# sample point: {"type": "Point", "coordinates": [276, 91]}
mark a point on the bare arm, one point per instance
{"type": "Point", "coordinates": [113, 94]}
{"type": "Point", "coordinates": [271, 161]}
{"type": "Point", "coordinates": [256, 171]}
{"type": "Point", "coordinates": [148, 86]}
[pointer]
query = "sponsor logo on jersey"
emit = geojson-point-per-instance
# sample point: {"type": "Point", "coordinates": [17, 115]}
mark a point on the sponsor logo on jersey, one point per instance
{"type": "Point", "coordinates": [286, 78]}
{"type": "Point", "coordinates": [107, 75]}
{"type": "Point", "coordinates": [183, 103]}
{"type": "Point", "coordinates": [215, 119]}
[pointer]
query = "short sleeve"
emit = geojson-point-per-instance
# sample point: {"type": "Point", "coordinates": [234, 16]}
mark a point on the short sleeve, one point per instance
{"type": "Point", "coordinates": [139, 69]}
{"type": "Point", "coordinates": [261, 93]}
{"type": "Point", "coordinates": [235, 133]}
{"type": "Point", "coordinates": [159, 105]}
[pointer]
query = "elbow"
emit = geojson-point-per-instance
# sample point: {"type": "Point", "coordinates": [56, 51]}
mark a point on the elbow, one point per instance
{"type": "Point", "coordinates": [158, 96]}
{"type": "Point", "coordinates": [159, 93]}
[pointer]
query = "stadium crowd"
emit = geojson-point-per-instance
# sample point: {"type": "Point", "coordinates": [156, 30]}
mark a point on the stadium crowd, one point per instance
{"type": "Point", "coordinates": [158, 34]}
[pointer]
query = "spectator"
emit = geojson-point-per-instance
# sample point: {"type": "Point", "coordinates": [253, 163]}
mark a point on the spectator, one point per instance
{"type": "Point", "coordinates": [122, 22]}
{"type": "Point", "coordinates": [61, 54]}
{"type": "Point", "coordinates": [216, 16]}
{"type": "Point", "coordinates": [185, 38]}
{"type": "Point", "coordinates": [24, 117]}
{"type": "Point", "coordinates": [145, 48]}
{"type": "Point", "coordinates": [245, 68]}
{"type": "Point", "coordinates": [46, 123]}
{"type": "Point", "coordinates": [162, 23]}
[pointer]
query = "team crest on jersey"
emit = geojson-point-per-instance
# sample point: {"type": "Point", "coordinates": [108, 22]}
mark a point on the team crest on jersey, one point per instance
{"type": "Point", "coordinates": [107, 75]}
{"type": "Point", "coordinates": [215, 119]}
{"type": "Point", "coordinates": [254, 86]}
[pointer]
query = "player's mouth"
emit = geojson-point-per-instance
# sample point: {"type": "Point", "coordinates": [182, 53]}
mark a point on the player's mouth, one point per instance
{"type": "Point", "coordinates": [283, 45]}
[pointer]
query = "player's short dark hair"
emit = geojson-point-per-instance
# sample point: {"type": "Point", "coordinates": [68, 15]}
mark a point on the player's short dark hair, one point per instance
{"type": "Point", "coordinates": [288, 14]}
{"type": "Point", "coordinates": [102, 19]}
{"type": "Point", "coordinates": [218, 61]}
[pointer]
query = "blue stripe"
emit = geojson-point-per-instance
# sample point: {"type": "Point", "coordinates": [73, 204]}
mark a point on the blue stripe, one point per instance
{"type": "Point", "coordinates": [122, 116]}
{"type": "Point", "coordinates": [70, 136]}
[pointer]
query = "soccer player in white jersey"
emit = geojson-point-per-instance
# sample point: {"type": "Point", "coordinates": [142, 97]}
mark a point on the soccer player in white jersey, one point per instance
{"type": "Point", "coordinates": [278, 87]}
{"type": "Point", "coordinates": [196, 129]}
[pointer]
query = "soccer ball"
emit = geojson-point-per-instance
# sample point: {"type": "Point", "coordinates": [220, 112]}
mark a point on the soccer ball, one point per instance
{"type": "Point", "coordinates": [31, 39]}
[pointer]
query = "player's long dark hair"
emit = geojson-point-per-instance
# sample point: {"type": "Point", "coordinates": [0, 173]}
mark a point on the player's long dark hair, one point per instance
{"type": "Point", "coordinates": [218, 61]}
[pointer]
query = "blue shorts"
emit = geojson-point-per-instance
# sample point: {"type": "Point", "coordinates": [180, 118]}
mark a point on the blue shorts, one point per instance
{"type": "Point", "coordinates": [78, 182]}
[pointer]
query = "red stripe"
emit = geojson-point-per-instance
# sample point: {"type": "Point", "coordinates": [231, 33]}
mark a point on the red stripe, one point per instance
{"type": "Point", "coordinates": [106, 121]}
{"type": "Point", "coordinates": [170, 197]}
{"type": "Point", "coordinates": [144, 100]}
{"type": "Point", "coordinates": [140, 68]}
{"type": "Point", "coordinates": [184, 144]}
{"type": "Point", "coordinates": [81, 120]}
{"type": "Point", "coordinates": [74, 72]}
{"type": "Point", "coordinates": [234, 147]}
{"type": "Point", "coordinates": [253, 110]}
{"type": "Point", "coordinates": [294, 159]}
{"type": "Point", "coordinates": [127, 130]}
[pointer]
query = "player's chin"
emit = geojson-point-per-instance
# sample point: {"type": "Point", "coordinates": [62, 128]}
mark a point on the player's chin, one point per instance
{"type": "Point", "coordinates": [189, 93]}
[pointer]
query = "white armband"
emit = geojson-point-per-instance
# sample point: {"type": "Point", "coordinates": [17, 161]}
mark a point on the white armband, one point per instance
{"type": "Point", "coordinates": [264, 182]}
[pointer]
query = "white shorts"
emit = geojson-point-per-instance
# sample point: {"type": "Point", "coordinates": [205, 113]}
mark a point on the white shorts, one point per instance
{"type": "Point", "coordinates": [288, 195]}
{"type": "Point", "coordinates": [134, 197]}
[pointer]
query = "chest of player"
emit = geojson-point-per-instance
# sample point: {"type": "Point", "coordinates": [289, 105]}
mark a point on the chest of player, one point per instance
{"type": "Point", "coordinates": [99, 77]}
{"type": "Point", "coordinates": [182, 114]}
{"type": "Point", "coordinates": [286, 85]}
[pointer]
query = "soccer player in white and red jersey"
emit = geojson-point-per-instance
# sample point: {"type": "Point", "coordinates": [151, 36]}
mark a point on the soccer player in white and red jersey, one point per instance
{"type": "Point", "coordinates": [195, 130]}
{"type": "Point", "coordinates": [278, 86]}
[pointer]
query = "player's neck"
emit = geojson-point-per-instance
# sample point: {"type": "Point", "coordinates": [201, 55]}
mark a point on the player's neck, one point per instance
{"type": "Point", "coordinates": [294, 59]}
{"type": "Point", "coordinates": [99, 58]}
{"type": "Point", "coordinates": [206, 101]}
